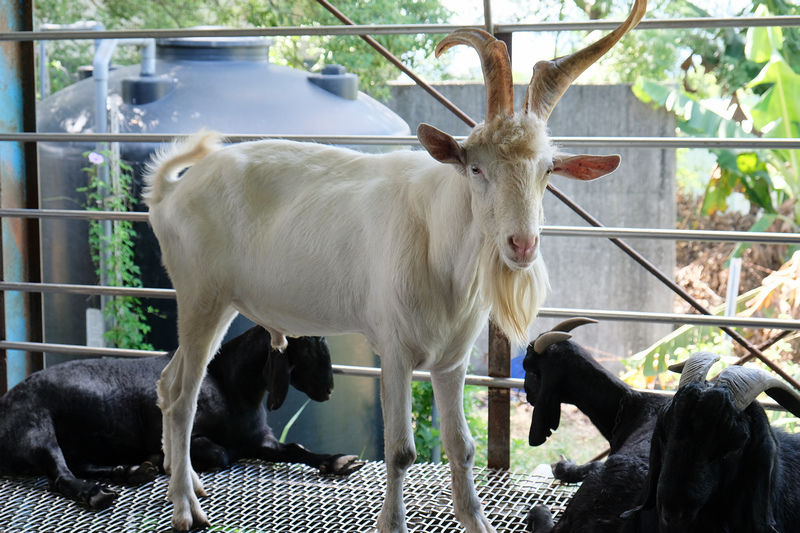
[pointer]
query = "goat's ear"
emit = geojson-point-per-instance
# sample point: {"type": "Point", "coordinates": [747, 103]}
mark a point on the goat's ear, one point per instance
{"type": "Point", "coordinates": [759, 470]}
{"type": "Point", "coordinates": [441, 146]}
{"type": "Point", "coordinates": [546, 417]}
{"type": "Point", "coordinates": [585, 167]}
{"type": "Point", "coordinates": [647, 498]}
{"type": "Point", "coordinates": [278, 377]}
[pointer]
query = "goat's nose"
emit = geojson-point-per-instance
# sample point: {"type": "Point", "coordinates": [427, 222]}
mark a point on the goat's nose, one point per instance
{"type": "Point", "coordinates": [672, 519]}
{"type": "Point", "coordinates": [524, 244]}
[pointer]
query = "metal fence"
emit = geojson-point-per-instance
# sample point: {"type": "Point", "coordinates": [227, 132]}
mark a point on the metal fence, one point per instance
{"type": "Point", "coordinates": [22, 345]}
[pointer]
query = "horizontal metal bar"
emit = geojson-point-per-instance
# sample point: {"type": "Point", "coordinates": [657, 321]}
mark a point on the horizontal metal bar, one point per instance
{"type": "Point", "coordinates": [411, 140]}
{"type": "Point", "coordinates": [405, 29]}
{"type": "Point", "coordinates": [280, 31]}
{"type": "Point", "coordinates": [74, 349]}
{"type": "Point", "coordinates": [670, 234]}
{"type": "Point", "coordinates": [421, 375]}
{"type": "Point", "coordinates": [671, 318]}
{"type": "Point", "coordinates": [546, 312]}
{"type": "Point", "coordinates": [552, 231]}
{"type": "Point", "coordinates": [97, 290]}
{"type": "Point", "coordinates": [232, 138]}
{"type": "Point", "coordinates": [783, 21]}
{"type": "Point", "coordinates": [133, 216]}
{"type": "Point", "coordinates": [345, 370]}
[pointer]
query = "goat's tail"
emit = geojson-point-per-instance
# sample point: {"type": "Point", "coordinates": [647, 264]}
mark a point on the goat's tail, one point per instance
{"type": "Point", "coordinates": [163, 168]}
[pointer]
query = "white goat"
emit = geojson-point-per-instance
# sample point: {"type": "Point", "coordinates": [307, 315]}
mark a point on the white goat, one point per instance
{"type": "Point", "coordinates": [413, 251]}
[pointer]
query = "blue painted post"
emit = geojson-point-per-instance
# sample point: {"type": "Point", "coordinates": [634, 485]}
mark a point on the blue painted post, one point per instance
{"type": "Point", "coordinates": [13, 187]}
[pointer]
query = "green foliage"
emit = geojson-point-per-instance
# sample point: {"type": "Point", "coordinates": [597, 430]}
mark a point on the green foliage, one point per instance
{"type": "Point", "coordinates": [298, 52]}
{"type": "Point", "coordinates": [427, 436]}
{"type": "Point", "coordinates": [291, 422]}
{"type": "Point", "coordinates": [112, 253]}
{"type": "Point", "coordinates": [767, 178]}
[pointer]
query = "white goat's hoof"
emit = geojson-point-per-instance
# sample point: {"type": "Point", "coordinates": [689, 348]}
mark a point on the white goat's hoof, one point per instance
{"type": "Point", "coordinates": [188, 515]}
{"type": "Point", "coordinates": [394, 526]}
{"type": "Point", "coordinates": [197, 485]}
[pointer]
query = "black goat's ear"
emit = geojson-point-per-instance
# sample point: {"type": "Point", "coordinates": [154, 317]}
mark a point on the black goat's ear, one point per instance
{"type": "Point", "coordinates": [278, 377]}
{"type": "Point", "coordinates": [759, 469]}
{"type": "Point", "coordinates": [546, 417]}
{"type": "Point", "coordinates": [650, 488]}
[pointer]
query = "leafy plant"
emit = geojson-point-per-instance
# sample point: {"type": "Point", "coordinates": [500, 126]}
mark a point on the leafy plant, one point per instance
{"type": "Point", "coordinates": [777, 297]}
{"type": "Point", "coordinates": [768, 178]}
{"type": "Point", "coordinates": [427, 435]}
{"type": "Point", "coordinates": [112, 252]}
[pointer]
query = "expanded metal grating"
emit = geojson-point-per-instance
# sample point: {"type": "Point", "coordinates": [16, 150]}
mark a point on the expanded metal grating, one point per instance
{"type": "Point", "coordinates": [257, 497]}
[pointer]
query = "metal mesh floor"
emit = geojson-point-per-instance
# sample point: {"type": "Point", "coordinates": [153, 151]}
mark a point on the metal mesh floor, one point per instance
{"type": "Point", "coordinates": [256, 497]}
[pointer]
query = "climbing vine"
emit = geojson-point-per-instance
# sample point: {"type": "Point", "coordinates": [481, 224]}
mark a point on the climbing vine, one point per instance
{"type": "Point", "coordinates": [111, 247]}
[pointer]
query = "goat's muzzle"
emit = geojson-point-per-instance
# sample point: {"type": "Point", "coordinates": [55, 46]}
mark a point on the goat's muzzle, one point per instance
{"type": "Point", "coordinates": [675, 519]}
{"type": "Point", "coordinates": [522, 250]}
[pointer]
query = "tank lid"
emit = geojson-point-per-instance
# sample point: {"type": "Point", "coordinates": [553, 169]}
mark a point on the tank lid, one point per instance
{"type": "Point", "coordinates": [213, 48]}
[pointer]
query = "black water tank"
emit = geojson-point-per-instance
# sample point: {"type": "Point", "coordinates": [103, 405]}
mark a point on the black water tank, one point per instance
{"type": "Point", "coordinates": [229, 85]}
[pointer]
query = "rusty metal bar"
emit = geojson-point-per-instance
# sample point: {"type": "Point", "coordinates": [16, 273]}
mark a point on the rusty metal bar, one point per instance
{"type": "Point", "coordinates": [499, 437]}
{"type": "Point", "coordinates": [19, 189]}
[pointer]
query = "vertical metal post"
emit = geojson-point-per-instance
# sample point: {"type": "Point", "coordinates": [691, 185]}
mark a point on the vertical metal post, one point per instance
{"type": "Point", "coordinates": [487, 16]}
{"type": "Point", "coordinates": [499, 401]}
{"type": "Point", "coordinates": [19, 189]}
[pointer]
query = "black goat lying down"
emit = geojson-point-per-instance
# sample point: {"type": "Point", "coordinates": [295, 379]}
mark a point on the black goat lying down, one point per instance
{"type": "Point", "coordinates": [98, 417]}
{"type": "Point", "coordinates": [715, 463]}
{"type": "Point", "coordinates": [558, 371]}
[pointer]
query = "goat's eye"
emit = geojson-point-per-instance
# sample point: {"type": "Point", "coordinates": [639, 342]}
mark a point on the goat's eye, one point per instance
{"type": "Point", "coordinates": [476, 170]}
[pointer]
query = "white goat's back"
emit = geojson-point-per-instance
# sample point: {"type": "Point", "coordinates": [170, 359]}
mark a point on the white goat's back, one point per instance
{"type": "Point", "coordinates": [349, 243]}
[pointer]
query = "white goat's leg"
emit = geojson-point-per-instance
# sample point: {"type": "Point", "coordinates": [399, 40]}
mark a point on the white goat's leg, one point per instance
{"type": "Point", "coordinates": [200, 336]}
{"type": "Point", "coordinates": [164, 386]}
{"type": "Point", "coordinates": [398, 438]}
{"type": "Point", "coordinates": [448, 390]}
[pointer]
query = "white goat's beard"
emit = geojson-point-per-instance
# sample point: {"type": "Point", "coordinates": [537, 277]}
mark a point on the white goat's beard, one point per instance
{"type": "Point", "coordinates": [515, 296]}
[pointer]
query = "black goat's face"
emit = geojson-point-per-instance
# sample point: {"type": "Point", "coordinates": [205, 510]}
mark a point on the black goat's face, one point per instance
{"type": "Point", "coordinates": [702, 449]}
{"type": "Point", "coordinates": [541, 391]}
{"type": "Point", "coordinates": [305, 364]}
{"type": "Point", "coordinates": [311, 370]}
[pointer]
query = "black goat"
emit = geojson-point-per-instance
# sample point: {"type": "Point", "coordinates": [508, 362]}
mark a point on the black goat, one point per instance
{"type": "Point", "coordinates": [715, 463]}
{"type": "Point", "coordinates": [98, 417]}
{"type": "Point", "coordinates": [559, 371]}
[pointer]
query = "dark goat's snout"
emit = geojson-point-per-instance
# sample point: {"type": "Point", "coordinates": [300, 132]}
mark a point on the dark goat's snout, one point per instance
{"type": "Point", "coordinates": [311, 367]}
{"type": "Point", "coordinates": [676, 518]}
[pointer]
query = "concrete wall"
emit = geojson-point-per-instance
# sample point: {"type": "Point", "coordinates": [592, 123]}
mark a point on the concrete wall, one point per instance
{"type": "Point", "coordinates": [590, 273]}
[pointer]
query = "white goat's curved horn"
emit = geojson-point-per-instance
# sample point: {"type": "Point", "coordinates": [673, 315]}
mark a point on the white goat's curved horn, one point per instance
{"type": "Point", "coordinates": [695, 369]}
{"type": "Point", "coordinates": [551, 79]}
{"type": "Point", "coordinates": [572, 323]}
{"type": "Point", "coordinates": [496, 67]}
{"type": "Point", "coordinates": [548, 339]}
{"type": "Point", "coordinates": [746, 384]}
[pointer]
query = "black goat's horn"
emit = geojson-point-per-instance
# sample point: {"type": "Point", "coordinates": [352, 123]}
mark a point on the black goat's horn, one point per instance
{"type": "Point", "coordinates": [548, 339]}
{"type": "Point", "coordinates": [695, 369]}
{"type": "Point", "coordinates": [746, 384]}
{"type": "Point", "coordinates": [572, 323]}
{"type": "Point", "coordinates": [560, 332]}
